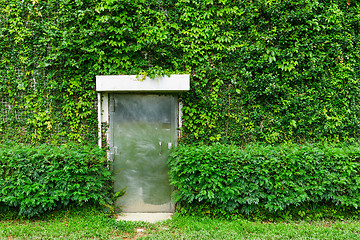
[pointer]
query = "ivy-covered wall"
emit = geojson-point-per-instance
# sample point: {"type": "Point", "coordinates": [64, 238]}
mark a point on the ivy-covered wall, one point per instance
{"type": "Point", "coordinates": [262, 70]}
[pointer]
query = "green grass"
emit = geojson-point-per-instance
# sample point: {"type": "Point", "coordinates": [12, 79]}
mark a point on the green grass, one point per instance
{"type": "Point", "coordinates": [194, 228]}
{"type": "Point", "coordinates": [91, 224]}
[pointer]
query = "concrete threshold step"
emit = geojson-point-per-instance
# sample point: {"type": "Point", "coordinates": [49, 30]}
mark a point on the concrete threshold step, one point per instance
{"type": "Point", "coordinates": [144, 217]}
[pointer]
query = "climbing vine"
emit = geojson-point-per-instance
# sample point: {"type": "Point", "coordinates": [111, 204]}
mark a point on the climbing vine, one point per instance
{"type": "Point", "coordinates": [261, 70]}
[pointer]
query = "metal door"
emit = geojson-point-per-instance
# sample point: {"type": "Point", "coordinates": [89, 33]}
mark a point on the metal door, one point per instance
{"type": "Point", "coordinates": [143, 129]}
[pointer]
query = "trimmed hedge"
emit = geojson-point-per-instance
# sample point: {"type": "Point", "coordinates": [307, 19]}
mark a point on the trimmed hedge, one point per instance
{"type": "Point", "coordinates": [34, 180]}
{"type": "Point", "coordinates": [273, 178]}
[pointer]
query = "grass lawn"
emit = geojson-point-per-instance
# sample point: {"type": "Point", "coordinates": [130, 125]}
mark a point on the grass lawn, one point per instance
{"type": "Point", "coordinates": [93, 225]}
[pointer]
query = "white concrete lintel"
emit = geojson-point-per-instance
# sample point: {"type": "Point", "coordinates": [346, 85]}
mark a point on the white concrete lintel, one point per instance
{"type": "Point", "coordinates": [132, 83]}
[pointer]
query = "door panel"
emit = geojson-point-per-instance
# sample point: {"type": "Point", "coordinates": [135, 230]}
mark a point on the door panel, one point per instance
{"type": "Point", "coordinates": [143, 129]}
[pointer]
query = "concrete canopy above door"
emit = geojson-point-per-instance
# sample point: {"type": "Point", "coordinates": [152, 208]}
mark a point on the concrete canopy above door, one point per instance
{"type": "Point", "coordinates": [132, 83]}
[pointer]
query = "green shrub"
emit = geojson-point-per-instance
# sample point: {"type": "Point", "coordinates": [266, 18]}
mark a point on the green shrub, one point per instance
{"type": "Point", "coordinates": [36, 179]}
{"type": "Point", "coordinates": [272, 178]}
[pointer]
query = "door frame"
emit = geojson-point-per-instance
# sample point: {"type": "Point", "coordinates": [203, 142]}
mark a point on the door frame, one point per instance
{"type": "Point", "coordinates": [132, 84]}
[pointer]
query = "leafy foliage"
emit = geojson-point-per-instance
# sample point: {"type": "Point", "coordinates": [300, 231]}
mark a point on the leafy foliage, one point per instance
{"type": "Point", "coordinates": [273, 178]}
{"type": "Point", "coordinates": [34, 180]}
{"type": "Point", "coordinates": [274, 71]}
{"type": "Point", "coordinates": [267, 70]}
